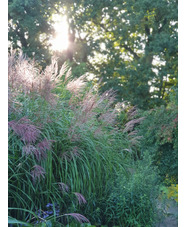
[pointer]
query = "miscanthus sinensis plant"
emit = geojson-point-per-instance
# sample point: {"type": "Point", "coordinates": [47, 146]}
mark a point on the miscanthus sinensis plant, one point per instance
{"type": "Point", "coordinates": [64, 145]}
{"type": "Point", "coordinates": [34, 180]}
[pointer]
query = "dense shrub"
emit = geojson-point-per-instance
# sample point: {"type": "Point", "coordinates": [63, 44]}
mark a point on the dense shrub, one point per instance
{"type": "Point", "coordinates": [160, 137]}
{"type": "Point", "coordinates": [133, 197]}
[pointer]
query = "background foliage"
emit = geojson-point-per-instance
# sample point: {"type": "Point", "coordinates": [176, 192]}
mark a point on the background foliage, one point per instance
{"type": "Point", "coordinates": [160, 138]}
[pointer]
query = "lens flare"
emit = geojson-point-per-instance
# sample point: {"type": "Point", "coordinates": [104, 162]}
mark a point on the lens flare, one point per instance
{"type": "Point", "coordinates": [60, 41]}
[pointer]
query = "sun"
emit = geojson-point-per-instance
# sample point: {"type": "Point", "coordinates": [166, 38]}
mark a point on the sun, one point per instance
{"type": "Point", "coordinates": [60, 41]}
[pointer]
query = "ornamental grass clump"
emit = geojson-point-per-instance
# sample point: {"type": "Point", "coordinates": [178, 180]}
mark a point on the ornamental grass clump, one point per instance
{"type": "Point", "coordinates": [33, 173]}
{"type": "Point", "coordinates": [65, 146]}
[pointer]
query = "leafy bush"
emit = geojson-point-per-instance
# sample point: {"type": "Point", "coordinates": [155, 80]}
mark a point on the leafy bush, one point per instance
{"type": "Point", "coordinates": [133, 197]}
{"type": "Point", "coordinates": [160, 137]}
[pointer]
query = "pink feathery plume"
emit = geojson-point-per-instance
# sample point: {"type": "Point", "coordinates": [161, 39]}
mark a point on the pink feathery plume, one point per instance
{"type": "Point", "coordinates": [80, 218]}
{"type": "Point", "coordinates": [25, 129]}
{"type": "Point", "coordinates": [80, 197]}
{"type": "Point", "coordinates": [37, 173]}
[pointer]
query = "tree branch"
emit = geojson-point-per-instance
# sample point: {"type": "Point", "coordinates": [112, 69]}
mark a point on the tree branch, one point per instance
{"type": "Point", "coordinates": [130, 50]}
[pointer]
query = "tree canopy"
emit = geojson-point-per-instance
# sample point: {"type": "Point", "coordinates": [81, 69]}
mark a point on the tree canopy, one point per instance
{"type": "Point", "coordinates": [130, 45]}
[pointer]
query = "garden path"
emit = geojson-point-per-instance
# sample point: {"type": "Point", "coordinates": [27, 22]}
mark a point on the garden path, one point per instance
{"type": "Point", "coordinates": [171, 218]}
